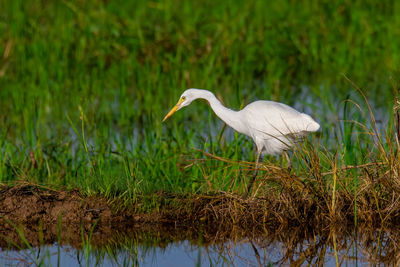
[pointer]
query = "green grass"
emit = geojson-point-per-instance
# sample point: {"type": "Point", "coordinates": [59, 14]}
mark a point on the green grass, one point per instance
{"type": "Point", "coordinates": [84, 85]}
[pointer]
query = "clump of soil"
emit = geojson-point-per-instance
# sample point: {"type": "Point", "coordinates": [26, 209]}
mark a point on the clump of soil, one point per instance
{"type": "Point", "coordinates": [45, 215]}
{"type": "Point", "coordinates": [30, 204]}
{"type": "Point", "coordinates": [41, 213]}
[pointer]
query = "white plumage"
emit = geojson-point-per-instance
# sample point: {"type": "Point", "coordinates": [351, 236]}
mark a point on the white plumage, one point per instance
{"type": "Point", "coordinates": [273, 126]}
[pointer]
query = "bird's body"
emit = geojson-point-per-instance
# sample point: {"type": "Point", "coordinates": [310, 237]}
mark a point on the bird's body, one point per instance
{"type": "Point", "coordinates": [273, 126]}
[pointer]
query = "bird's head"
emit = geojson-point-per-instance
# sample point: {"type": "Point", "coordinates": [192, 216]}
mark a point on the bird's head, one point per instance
{"type": "Point", "coordinates": [186, 98]}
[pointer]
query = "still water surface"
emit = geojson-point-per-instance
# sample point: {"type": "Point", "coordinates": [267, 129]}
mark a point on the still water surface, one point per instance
{"type": "Point", "coordinates": [366, 248]}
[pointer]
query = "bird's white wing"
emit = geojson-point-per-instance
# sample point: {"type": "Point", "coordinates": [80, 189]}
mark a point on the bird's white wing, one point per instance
{"type": "Point", "coordinates": [276, 119]}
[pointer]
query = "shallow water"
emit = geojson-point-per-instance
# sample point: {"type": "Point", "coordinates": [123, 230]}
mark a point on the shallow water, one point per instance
{"type": "Point", "coordinates": [367, 248]}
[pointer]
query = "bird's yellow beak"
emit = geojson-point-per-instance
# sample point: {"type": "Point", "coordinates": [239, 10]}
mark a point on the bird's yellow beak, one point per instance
{"type": "Point", "coordinates": [173, 110]}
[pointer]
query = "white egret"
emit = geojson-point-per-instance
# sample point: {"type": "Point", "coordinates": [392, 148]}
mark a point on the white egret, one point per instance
{"type": "Point", "coordinates": [273, 126]}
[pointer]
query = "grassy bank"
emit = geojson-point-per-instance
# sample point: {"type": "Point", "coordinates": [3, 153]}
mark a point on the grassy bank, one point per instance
{"type": "Point", "coordinates": [85, 84]}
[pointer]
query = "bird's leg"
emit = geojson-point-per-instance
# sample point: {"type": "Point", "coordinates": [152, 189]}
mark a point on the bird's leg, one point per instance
{"type": "Point", "coordinates": [289, 166]}
{"type": "Point", "coordinates": [254, 174]}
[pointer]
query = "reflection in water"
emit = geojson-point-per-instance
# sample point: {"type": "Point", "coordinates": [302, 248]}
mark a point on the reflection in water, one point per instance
{"type": "Point", "coordinates": [294, 247]}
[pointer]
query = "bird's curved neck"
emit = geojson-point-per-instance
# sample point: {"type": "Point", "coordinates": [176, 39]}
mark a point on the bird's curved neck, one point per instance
{"type": "Point", "coordinates": [229, 116]}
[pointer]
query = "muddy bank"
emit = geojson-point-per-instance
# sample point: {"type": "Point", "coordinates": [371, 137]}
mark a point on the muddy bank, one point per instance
{"type": "Point", "coordinates": [33, 205]}
{"type": "Point", "coordinates": [44, 215]}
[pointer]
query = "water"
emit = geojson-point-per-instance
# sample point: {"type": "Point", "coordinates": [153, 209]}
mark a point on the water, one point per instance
{"type": "Point", "coordinates": [176, 254]}
{"type": "Point", "coordinates": [375, 247]}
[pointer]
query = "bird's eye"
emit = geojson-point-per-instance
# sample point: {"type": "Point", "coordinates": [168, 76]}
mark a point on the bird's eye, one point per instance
{"type": "Point", "coordinates": [183, 98]}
